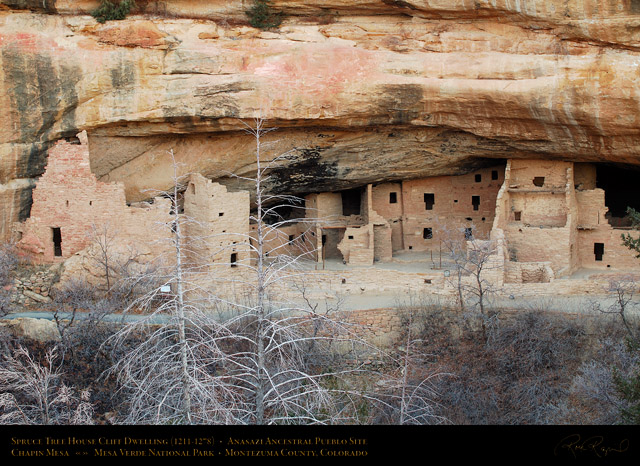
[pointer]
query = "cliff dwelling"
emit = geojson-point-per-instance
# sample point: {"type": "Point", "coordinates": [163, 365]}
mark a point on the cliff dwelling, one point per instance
{"type": "Point", "coordinates": [546, 220]}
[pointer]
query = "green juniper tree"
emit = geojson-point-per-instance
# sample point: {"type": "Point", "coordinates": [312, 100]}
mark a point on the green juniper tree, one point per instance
{"type": "Point", "coordinates": [113, 10]}
{"type": "Point", "coordinates": [261, 15]}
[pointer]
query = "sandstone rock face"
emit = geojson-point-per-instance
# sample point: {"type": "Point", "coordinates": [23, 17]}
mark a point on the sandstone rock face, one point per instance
{"type": "Point", "coordinates": [361, 91]}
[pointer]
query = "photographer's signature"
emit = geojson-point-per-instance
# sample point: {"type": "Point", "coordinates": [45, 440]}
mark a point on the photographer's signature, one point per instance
{"type": "Point", "coordinates": [595, 444]}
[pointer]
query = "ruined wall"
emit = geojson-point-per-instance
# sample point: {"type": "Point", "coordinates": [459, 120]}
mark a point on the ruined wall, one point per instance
{"type": "Point", "coordinates": [599, 243]}
{"type": "Point", "coordinates": [591, 208]}
{"type": "Point", "coordinates": [356, 245]}
{"type": "Point", "coordinates": [294, 240]}
{"type": "Point", "coordinates": [217, 224]}
{"type": "Point", "coordinates": [70, 204]}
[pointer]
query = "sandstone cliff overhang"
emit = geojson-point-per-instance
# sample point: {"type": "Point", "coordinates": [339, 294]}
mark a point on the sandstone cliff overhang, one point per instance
{"type": "Point", "coordinates": [361, 91]}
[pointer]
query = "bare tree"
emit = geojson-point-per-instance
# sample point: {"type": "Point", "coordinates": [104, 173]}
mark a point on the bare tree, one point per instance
{"type": "Point", "coordinates": [171, 373]}
{"type": "Point", "coordinates": [205, 356]}
{"type": "Point", "coordinates": [472, 259]}
{"type": "Point", "coordinates": [410, 395]}
{"type": "Point", "coordinates": [622, 291]}
{"type": "Point", "coordinates": [116, 262]}
{"type": "Point", "coordinates": [281, 385]}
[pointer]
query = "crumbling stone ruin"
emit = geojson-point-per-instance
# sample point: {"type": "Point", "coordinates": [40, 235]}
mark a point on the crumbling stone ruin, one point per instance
{"type": "Point", "coordinates": [544, 220]}
{"type": "Point", "coordinates": [69, 201]}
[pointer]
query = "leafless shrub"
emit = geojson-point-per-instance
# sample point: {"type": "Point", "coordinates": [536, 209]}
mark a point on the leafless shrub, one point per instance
{"type": "Point", "coordinates": [32, 393]}
{"type": "Point", "coordinates": [624, 305]}
{"type": "Point", "coordinates": [595, 398]}
{"type": "Point", "coordinates": [518, 376]}
{"type": "Point", "coordinates": [409, 395]}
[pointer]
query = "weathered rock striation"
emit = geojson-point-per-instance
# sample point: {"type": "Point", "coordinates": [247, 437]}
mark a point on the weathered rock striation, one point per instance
{"type": "Point", "coordinates": [361, 91]}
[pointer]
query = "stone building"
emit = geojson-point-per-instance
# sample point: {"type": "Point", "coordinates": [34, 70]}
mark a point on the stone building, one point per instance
{"type": "Point", "coordinates": [544, 219]}
{"type": "Point", "coordinates": [363, 226]}
{"type": "Point", "coordinates": [554, 221]}
{"type": "Point", "coordinates": [216, 224]}
{"type": "Point", "coordinates": [69, 203]}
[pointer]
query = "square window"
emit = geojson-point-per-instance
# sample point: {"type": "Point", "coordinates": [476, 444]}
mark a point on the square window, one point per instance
{"type": "Point", "coordinates": [538, 181]}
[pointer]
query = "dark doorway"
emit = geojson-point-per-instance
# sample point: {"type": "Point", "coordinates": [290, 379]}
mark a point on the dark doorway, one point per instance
{"type": "Point", "coordinates": [621, 188]}
{"type": "Point", "coordinates": [393, 198]}
{"type": "Point", "coordinates": [427, 233]}
{"type": "Point", "coordinates": [56, 234]}
{"type": "Point", "coordinates": [598, 250]}
{"type": "Point", "coordinates": [351, 200]}
{"type": "Point", "coordinates": [429, 201]}
{"type": "Point", "coordinates": [475, 201]}
{"type": "Point", "coordinates": [234, 259]}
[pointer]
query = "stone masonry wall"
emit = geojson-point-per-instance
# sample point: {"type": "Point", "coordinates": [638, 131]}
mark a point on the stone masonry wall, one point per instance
{"type": "Point", "coordinates": [68, 198]}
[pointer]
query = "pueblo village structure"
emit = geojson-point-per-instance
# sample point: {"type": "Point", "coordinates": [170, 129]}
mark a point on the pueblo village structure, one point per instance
{"type": "Point", "coordinates": [541, 220]}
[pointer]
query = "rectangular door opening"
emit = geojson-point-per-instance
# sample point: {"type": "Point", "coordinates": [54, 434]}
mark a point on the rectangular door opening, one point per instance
{"type": "Point", "coordinates": [429, 200]}
{"type": "Point", "coordinates": [57, 241]}
{"type": "Point", "coordinates": [598, 250]}
{"type": "Point", "coordinates": [475, 201]}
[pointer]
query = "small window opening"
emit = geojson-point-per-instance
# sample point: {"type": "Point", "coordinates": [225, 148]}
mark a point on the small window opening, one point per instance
{"type": "Point", "coordinates": [90, 202]}
{"type": "Point", "coordinates": [410, 247]}
{"type": "Point", "coordinates": [350, 236]}
{"type": "Point", "coordinates": [475, 201]}
{"type": "Point", "coordinates": [234, 259]}
{"type": "Point", "coordinates": [538, 181]}
{"type": "Point", "coordinates": [468, 233]}
{"type": "Point", "coordinates": [598, 250]}
{"type": "Point", "coordinates": [517, 216]}
{"type": "Point", "coordinates": [57, 241]}
{"type": "Point", "coordinates": [494, 174]}
{"type": "Point", "coordinates": [393, 198]}
{"type": "Point", "coordinates": [427, 233]}
{"type": "Point", "coordinates": [291, 238]}
{"type": "Point", "coordinates": [478, 178]}
{"type": "Point", "coordinates": [220, 214]}
{"type": "Point", "coordinates": [427, 280]}
{"type": "Point", "coordinates": [429, 201]}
